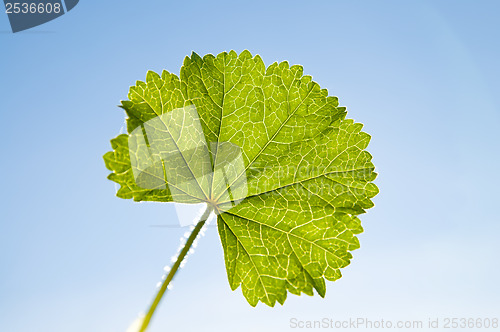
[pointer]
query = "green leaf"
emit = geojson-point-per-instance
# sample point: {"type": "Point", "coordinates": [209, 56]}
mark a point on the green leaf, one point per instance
{"type": "Point", "coordinates": [307, 173]}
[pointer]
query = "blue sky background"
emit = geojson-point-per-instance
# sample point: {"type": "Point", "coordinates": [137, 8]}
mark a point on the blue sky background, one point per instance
{"type": "Point", "coordinates": [422, 76]}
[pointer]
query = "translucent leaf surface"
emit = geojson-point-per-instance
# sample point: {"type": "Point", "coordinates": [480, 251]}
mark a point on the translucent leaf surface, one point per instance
{"type": "Point", "coordinates": [298, 169]}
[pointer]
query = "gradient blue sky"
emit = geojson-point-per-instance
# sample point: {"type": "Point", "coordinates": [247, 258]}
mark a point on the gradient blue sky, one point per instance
{"type": "Point", "coordinates": [422, 76]}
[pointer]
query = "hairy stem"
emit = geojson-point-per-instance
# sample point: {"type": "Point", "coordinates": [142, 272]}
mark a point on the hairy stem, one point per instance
{"type": "Point", "coordinates": [174, 269]}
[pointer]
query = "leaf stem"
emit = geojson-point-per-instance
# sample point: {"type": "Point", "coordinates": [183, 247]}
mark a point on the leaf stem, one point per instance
{"type": "Point", "coordinates": [175, 267]}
